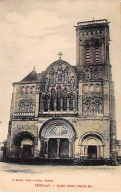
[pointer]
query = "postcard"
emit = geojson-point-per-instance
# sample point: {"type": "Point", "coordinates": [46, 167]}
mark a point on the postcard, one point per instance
{"type": "Point", "coordinates": [60, 96]}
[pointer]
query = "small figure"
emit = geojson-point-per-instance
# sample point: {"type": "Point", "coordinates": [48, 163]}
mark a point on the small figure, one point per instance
{"type": "Point", "coordinates": [46, 84]}
{"type": "Point", "coordinates": [52, 76]}
{"type": "Point", "coordinates": [66, 78]}
{"type": "Point", "coordinates": [72, 83]}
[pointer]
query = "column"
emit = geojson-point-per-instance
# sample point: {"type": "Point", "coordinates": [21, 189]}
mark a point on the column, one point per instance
{"type": "Point", "coordinates": [80, 98]}
{"type": "Point", "coordinates": [106, 98]}
{"type": "Point", "coordinates": [35, 149]}
{"type": "Point", "coordinates": [48, 105]}
{"type": "Point", "coordinates": [73, 148]}
{"type": "Point", "coordinates": [41, 148]}
{"type": "Point", "coordinates": [70, 148]}
{"type": "Point", "coordinates": [82, 151]}
{"type": "Point", "coordinates": [39, 145]}
{"type": "Point", "coordinates": [103, 151]}
{"type": "Point", "coordinates": [58, 147]}
{"type": "Point", "coordinates": [37, 105]}
{"type": "Point", "coordinates": [85, 151]}
{"type": "Point", "coordinates": [46, 148]}
{"type": "Point", "coordinates": [67, 104]}
{"type": "Point", "coordinates": [97, 151]}
{"type": "Point", "coordinates": [74, 105]}
{"type": "Point", "coordinates": [32, 150]}
{"type": "Point", "coordinates": [55, 104]}
{"type": "Point", "coordinates": [40, 103]}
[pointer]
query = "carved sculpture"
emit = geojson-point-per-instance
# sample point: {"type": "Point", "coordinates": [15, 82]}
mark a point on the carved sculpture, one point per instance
{"type": "Point", "coordinates": [72, 83]}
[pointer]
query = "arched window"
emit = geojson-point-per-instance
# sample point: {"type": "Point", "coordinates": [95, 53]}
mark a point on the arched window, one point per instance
{"type": "Point", "coordinates": [46, 103]}
{"type": "Point", "coordinates": [86, 88]}
{"type": "Point", "coordinates": [53, 98]}
{"type": "Point", "coordinates": [96, 73]}
{"type": "Point", "coordinates": [98, 106]}
{"type": "Point", "coordinates": [33, 89]}
{"type": "Point", "coordinates": [91, 88]}
{"type": "Point", "coordinates": [65, 99]}
{"type": "Point", "coordinates": [27, 89]}
{"type": "Point", "coordinates": [22, 107]}
{"type": "Point", "coordinates": [87, 75]}
{"type": "Point", "coordinates": [31, 107]}
{"type": "Point", "coordinates": [87, 53]}
{"type": "Point", "coordinates": [97, 51]}
{"type": "Point", "coordinates": [92, 107]}
{"type": "Point", "coordinates": [71, 102]}
{"type": "Point", "coordinates": [87, 106]}
{"type": "Point", "coordinates": [23, 89]}
{"type": "Point", "coordinates": [97, 87]}
{"type": "Point", "coordinates": [59, 98]}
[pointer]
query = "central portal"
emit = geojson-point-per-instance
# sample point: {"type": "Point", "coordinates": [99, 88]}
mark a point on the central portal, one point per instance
{"type": "Point", "coordinates": [58, 148]}
{"type": "Point", "coordinates": [57, 138]}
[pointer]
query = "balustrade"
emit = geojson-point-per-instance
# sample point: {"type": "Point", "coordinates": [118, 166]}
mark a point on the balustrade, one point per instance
{"type": "Point", "coordinates": [23, 114]}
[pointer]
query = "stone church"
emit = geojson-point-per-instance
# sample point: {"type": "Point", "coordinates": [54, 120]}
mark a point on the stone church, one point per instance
{"type": "Point", "coordinates": [67, 112]}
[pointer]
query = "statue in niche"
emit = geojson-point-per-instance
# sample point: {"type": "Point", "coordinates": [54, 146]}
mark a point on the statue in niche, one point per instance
{"type": "Point", "coordinates": [72, 83]}
{"type": "Point", "coordinates": [59, 77]}
{"type": "Point", "coordinates": [97, 73]}
{"type": "Point", "coordinates": [46, 84]}
{"type": "Point", "coordinates": [66, 76]}
{"type": "Point", "coordinates": [60, 67]}
{"type": "Point", "coordinates": [52, 76]}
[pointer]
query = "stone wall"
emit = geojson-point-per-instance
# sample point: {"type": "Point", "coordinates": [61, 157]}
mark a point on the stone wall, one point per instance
{"type": "Point", "coordinates": [80, 125]}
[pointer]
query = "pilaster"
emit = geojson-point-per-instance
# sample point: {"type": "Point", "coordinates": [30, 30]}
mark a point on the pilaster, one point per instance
{"type": "Point", "coordinates": [80, 98]}
{"type": "Point", "coordinates": [106, 97]}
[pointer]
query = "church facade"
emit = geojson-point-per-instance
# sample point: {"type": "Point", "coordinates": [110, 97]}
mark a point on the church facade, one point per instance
{"type": "Point", "coordinates": [67, 112]}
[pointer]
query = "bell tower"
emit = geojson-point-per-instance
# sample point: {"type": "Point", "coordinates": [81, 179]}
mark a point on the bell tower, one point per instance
{"type": "Point", "coordinates": [96, 92]}
{"type": "Point", "coordinates": [92, 42]}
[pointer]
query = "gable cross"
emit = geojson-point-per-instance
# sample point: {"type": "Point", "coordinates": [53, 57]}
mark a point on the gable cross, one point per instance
{"type": "Point", "coordinates": [60, 54]}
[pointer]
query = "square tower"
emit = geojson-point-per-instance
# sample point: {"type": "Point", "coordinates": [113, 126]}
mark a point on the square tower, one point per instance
{"type": "Point", "coordinates": [96, 92]}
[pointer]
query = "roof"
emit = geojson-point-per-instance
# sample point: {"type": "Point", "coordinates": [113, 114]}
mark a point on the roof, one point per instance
{"type": "Point", "coordinates": [103, 21]}
{"type": "Point", "coordinates": [32, 76]}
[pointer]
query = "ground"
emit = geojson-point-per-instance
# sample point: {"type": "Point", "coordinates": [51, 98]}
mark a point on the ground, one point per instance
{"type": "Point", "coordinates": [16, 177]}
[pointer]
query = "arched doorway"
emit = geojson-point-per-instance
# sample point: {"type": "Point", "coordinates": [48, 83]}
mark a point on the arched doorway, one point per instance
{"type": "Point", "coordinates": [24, 145]}
{"type": "Point", "coordinates": [92, 146]}
{"type": "Point", "coordinates": [57, 139]}
{"type": "Point", "coordinates": [55, 151]}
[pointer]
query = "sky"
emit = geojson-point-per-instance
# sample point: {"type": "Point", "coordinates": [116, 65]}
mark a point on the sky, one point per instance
{"type": "Point", "coordinates": [33, 32]}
